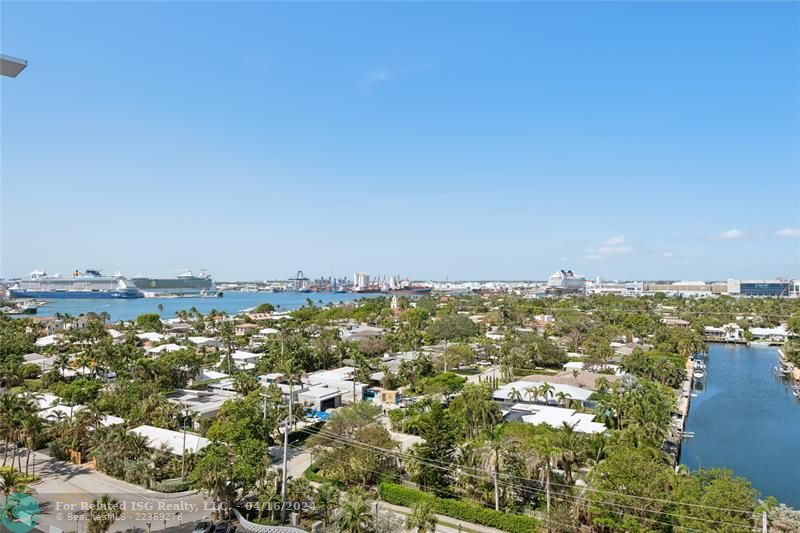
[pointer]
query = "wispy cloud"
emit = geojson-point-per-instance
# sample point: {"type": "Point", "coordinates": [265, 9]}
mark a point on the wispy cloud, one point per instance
{"type": "Point", "coordinates": [615, 245]}
{"type": "Point", "coordinates": [788, 233]}
{"type": "Point", "coordinates": [668, 254]}
{"type": "Point", "coordinates": [386, 74]}
{"type": "Point", "coordinates": [728, 235]}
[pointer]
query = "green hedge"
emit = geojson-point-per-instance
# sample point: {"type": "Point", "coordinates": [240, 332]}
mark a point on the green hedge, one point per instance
{"type": "Point", "coordinates": [312, 474]}
{"type": "Point", "coordinates": [170, 485]}
{"type": "Point", "coordinates": [459, 509]}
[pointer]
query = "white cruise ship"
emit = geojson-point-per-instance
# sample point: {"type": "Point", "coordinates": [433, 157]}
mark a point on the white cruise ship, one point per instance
{"type": "Point", "coordinates": [565, 282]}
{"type": "Point", "coordinates": [89, 284]}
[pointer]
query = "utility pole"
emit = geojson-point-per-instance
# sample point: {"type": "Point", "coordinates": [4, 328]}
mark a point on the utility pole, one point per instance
{"type": "Point", "coordinates": [183, 454]}
{"type": "Point", "coordinates": [285, 454]}
{"type": "Point", "coordinates": [764, 527]}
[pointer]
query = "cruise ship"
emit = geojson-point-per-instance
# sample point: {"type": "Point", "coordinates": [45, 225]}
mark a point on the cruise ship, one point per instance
{"type": "Point", "coordinates": [182, 283]}
{"type": "Point", "coordinates": [88, 284]}
{"type": "Point", "coordinates": [565, 282]}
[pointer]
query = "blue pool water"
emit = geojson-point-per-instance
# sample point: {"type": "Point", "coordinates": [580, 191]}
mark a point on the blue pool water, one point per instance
{"type": "Point", "coordinates": [747, 420]}
{"type": "Point", "coordinates": [232, 302]}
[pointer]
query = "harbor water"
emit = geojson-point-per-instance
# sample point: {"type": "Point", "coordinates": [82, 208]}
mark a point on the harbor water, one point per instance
{"type": "Point", "coordinates": [231, 303]}
{"type": "Point", "coordinates": [747, 420]}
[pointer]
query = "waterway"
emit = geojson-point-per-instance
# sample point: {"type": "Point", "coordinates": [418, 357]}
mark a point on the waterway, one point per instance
{"type": "Point", "coordinates": [231, 303]}
{"type": "Point", "coordinates": [747, 420]}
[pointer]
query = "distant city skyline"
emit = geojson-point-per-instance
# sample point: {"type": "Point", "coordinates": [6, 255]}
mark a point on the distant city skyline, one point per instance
{"type": "Point", "coordinates": [433, 141]}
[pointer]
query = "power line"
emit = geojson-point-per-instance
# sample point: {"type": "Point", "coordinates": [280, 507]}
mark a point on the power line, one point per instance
{"type": "Point", "coordinates": [528, 489]}
{"type": "Point", "coordinates": [459, 496]}
{"type": "Point", "coordinates": [448, 467]}
{"type": "Point", "coordinates": [367, 447]}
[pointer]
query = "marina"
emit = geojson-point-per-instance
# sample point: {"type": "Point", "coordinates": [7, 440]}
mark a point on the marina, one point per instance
{"type": "Point", "coordinates": [747, 419]}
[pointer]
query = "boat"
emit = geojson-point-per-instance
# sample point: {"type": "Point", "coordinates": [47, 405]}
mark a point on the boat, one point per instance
{"type": "Point", "coordinates": [211, 294]}
{"type": "Point", "coordinates": [699, 374]}
{"type": "Point", "coordinates": [88, 284]}
{"type": "Point", "coordinates": [186, 282]}
{"type": "Point", "coordinates": [411, 290]}
{"type": "Point", "coordinates": [404, 287]}
{"type": "Point", "coordinates": [782, 371]}
{"type": "Point", "coordinates": [565, 282]}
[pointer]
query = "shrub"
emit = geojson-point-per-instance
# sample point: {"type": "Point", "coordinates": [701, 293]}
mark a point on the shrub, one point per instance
{"type": "Point", "coordinates": [459, 509]}
{"type": "Point", "coordinates": [170, 485]}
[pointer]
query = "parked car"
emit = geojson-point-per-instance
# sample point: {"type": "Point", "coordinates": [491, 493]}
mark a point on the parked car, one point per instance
{"type": "Point", "coordinates": [222, 527]}
{"type": "Point", "coordinates": [203, 527]}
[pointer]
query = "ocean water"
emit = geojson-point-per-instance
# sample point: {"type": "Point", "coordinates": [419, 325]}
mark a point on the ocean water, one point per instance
{"type": "Point", "coordinates": [231, 303]}
{"type": "Point", "coordinates": [747, 420]}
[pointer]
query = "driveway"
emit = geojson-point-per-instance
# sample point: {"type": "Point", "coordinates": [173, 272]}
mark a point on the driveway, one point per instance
{"type": "Point", "coordinates": [66, 490]}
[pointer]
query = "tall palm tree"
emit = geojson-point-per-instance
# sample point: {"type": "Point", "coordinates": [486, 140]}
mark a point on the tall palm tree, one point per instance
{"type": "Point", "coordinates": [326, 500]}
{"type": "Point", "coordinates": [422, 517]}
{"type": "Point", "coordinates": [354, 513]}
{"type": "Point", "coordinates": [491, 448]}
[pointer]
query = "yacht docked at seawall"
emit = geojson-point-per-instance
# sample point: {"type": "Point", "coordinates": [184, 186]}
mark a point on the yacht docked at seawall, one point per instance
{"type": "Point", "coordinates": [88, 284]}
{"type": "Point", "coordinates": [565, 282]}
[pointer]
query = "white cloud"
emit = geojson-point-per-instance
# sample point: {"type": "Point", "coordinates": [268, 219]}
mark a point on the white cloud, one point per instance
{"type": "Point", "coordinates": [614, 245]}
{"type": "Point", "coordinates": [594, 257]}
{"type": "Point", "coordinates": [788, 232]}
{"type": "Point", "coordinates": [728, 235]}
{"type": "Point", "coordinates": [668, 254]}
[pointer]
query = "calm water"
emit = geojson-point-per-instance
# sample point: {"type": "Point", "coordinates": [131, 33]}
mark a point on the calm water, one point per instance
{"type": "Point", "coordinates": [232, 302]}
{"type": "Point", "coordinates": [747, 420]}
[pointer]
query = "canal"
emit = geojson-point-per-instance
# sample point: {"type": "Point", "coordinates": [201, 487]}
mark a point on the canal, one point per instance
{"type": "Point", "coordinates": [746, 419]}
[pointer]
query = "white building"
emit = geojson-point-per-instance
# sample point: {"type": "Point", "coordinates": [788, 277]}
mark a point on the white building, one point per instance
{"type": "Point", "coordinates": [727, 333]}
{"type": "Point", "coordinates": [360, 280]}
{"type": "Point", "coordinates": [516, 391]}
{"type": "Point", "coordinates": [171, 440]}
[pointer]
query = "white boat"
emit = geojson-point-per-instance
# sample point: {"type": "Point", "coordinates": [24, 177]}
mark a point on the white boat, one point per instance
{"type": "Point", "coordinates": [699, 374]}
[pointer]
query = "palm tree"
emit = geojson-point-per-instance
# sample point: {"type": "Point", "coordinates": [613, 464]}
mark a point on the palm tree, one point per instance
{"type": "Point", "coordinates": [12, 481]}
{"type": "Point", "coordinates": [563, 398]}
{"type": "Point", "coordinates": [103, 512]}
{"type": "Point", "coordinates": [422, 517]}
{"type": "Point", "coordinates": [32, 429]}
{"type": "Point", "coordinates": [491, 458]}
{"type": "Point", "coordinates": [515, 395]}
{"type": "Point", "coordinates": [354, 513]}
{"type": "Point", "coordinates": [547, 452]}
{"type": "Point", "coordinates": [326, 500]}
{"type": "Point", "coordinates": [532, 393]}
{"type": "Point", "coordinates": [546, 390]}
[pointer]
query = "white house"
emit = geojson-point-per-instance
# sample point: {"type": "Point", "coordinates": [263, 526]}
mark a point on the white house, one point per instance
{"type": "Point", "coordinates": [164, 348]}
{"type": "Point", "coordinates": [172, 440]}
{"type": "Point", "coordinates": [728, 333]}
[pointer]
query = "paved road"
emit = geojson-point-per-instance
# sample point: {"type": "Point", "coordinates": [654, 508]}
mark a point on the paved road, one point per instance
{"type": "Point", "coordinates": [66, 490]}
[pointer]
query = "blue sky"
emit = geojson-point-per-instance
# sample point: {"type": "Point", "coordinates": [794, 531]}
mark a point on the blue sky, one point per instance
{"type": "Point", "coordinates": [491, 141]}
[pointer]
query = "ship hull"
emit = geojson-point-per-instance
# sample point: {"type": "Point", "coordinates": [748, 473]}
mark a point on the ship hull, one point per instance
{"type": "Point", "coordinates": [166, 284]}
{"type": "Point", "coordinates": [49, 295]}
{"type": "Point", "coordinates": [420, 291]}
